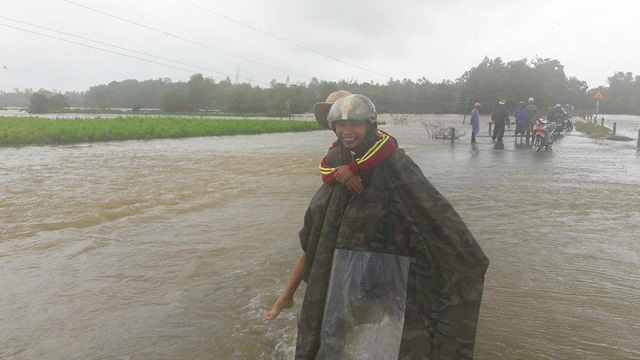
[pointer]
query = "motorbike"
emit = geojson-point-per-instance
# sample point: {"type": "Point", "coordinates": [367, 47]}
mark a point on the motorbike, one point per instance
{"type": "Point", "coordinates": [543, 134]}
{"type": "Point", "coordinates": [560, 121]}
{"type": "Point", "coordinates": [563, 122]}
{"type": "Point", "coordinates": [568, 123]}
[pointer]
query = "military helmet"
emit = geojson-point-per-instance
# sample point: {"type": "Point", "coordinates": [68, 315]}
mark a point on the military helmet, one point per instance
{"type": "Point", "coordinates": [354, 107]}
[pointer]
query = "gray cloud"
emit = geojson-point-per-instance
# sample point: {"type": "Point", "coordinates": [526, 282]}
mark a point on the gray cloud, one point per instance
{"type": "Point", "coordinates": [434, 39]}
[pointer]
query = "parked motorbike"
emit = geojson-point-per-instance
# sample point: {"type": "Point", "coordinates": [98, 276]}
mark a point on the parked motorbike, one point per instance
{"type": "Point", "coordinates": [544, 134]}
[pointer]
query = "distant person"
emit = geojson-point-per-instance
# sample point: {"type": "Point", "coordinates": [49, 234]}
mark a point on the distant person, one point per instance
{"type": "Point", "coordinates": [532, 112]}
{"type": "Point", "coordinates": [500, 117]}
{"type": "Point", "coordinates": [556, 113]}
{"type": "Point", "coordinates": [475, 122]}
{"type": "Point", "coordinates": [521, 120]}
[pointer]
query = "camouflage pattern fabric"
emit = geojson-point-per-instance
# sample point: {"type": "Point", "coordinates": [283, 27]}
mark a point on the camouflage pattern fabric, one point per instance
{"type": "Point", "coordinates": [352, 107]}
{"type": "Point", "coordinates": [400, 212]}
{"type": "Point", "coordinates": [532, 112]}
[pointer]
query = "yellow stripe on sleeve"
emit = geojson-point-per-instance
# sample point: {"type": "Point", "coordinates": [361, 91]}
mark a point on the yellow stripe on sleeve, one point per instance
{"type": "Point", "coordinates": [373, 149]}
{"type": "Point", "coordinates": [325, 171]}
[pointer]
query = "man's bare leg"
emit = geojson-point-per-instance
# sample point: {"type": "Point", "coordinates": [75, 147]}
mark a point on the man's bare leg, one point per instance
{"type": "Point", "coordinates": [285, 300]}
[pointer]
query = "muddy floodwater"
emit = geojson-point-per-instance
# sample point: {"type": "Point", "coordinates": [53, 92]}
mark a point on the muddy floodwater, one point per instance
{"type": "Point", "coordinates": [174, 249]}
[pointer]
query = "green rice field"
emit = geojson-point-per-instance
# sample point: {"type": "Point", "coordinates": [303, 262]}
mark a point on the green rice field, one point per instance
{"type": "Point", "coordinates": [159, 112]}
{"type": "Point", "coordinates": [18, 131]}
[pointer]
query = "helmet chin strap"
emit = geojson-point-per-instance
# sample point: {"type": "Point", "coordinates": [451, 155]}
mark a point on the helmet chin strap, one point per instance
{"type": "Point", "coordinates": [371, 130]}
{"type": "Point", "coordinates": [370, 137]}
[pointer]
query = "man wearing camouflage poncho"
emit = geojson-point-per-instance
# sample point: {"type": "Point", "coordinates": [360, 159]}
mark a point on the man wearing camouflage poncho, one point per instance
{"type": "Point", "coordinates": [392, 271]}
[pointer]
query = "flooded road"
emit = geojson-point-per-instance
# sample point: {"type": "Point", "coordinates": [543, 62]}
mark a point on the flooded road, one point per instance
{"type": "Point", "coordinates": [175, 248]}
{"type": "Point", "coordinates": [627, 125]}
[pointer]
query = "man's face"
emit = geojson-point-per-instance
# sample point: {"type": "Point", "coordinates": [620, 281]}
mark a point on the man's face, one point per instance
{"type": "Point", "coordinates": [350, 132]}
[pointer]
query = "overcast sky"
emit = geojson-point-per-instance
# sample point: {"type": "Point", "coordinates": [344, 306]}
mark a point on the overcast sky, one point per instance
{"type": "Point", "coordinates": [405, 39]}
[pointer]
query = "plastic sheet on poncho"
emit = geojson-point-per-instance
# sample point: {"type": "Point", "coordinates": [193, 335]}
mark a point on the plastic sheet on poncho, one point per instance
{"type": "Point", "coordinates": [365, 306]}
{"type": "Point", "coordinates": [400, 214]}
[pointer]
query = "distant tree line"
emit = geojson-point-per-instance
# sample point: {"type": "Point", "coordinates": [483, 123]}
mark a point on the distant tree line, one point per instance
{"type": "Point", "coordinates": [489, 81]}
{"type": "Point", "coordinates": [622, 96]}
{"type": "Point", "coordinates": [43, 102]}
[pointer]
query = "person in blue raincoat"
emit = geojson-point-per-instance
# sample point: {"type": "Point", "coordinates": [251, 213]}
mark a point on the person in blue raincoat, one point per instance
{"type": "Point", "coordinates": [521, 120]}
{"type": "Point", "coordinates": [475, 122]}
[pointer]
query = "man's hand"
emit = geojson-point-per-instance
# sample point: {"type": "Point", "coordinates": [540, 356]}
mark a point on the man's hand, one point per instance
{"type": "Point", "coordinates": [355, 184]}
{"type": "Point", "coordinates": [343, 174]}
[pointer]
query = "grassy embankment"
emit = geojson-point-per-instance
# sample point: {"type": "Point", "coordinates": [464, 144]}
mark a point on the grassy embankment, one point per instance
{"type": "Point", "coordinates": [153, 112]}
{"type": "Point", "coordinates": [17, 131]}
{"type": "Point", "coordinates": [596, 131]}
{"type": "Point", "coordinates": [158, 112]}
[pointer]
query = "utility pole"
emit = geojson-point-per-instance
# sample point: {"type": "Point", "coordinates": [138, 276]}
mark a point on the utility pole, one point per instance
{"type": "Point", "coordinates": [464, 119]}
{"type": "Point", "coordinates": [288, 107]}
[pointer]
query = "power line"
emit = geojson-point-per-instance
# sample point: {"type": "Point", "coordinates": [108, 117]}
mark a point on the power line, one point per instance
{"type": "Point", "coordinates": [307, 48]}
{"type": "Point", "coordinates": [188, 40]}
{"type": "Point", "coordinates": [105, 50]}
{"type": "Point", "coordinates": [306, 77]}
{"type": "Point", "coordinates": [179, 62]}
{"type": "Point", "coordinates": [284, 40]}
{"type": "Point", "coordinates": [167, 65]}
{"type": "Point", "coordinates": [175, 67]}
{"type": "Point", "coordinates": [155, 62]}
{"type": "Point", "coordinates": [127, 49]}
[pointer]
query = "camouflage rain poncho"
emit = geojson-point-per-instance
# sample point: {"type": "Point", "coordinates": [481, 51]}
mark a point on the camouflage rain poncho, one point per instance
{"type": "Point", "coordinates": [399, 272]}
